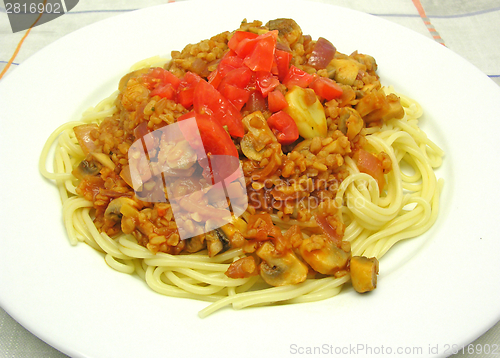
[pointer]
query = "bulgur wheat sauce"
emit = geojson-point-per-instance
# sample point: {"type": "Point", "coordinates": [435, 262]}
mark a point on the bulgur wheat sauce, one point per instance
{"type": "Point", "coordinates": [337, 170]}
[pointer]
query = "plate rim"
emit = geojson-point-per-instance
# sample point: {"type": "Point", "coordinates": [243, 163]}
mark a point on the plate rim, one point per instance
{"type": "Point", "coordinates": [49, 48]}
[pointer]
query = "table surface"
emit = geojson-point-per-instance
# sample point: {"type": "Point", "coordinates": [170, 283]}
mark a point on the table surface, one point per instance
{"type": "Point", "coordinates": [469, 28]}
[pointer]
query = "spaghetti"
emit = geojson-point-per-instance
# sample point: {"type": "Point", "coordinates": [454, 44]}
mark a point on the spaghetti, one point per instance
{"type": "Point", "coordinates": [345, 193]}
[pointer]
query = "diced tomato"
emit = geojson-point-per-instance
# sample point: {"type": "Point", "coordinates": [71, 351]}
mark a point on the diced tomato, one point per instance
{"type": "Point", "coordinates": [297, 77]}
{"type": "Point", "coordinates": [368, 163]}
{"type": "Point", "coordinates": [276, 101]}
{"type": "Point", "coordinates": [261, 57]}
{"type": "Point", "coordinates": [282, 59]}
{"type": "Point", "coordinates": [237, 96]}
{"type": "Point", "coordinates": [284, 127]}
{"type": "Point", "coordinates": [159, 76]}
{"type": "Point", "coordinates": [229, 62]}
{"type": "Point", "coordinates": [161, 82]}
{"type": "Point", "coordinates": [266, 82]}
{"type": "Point", "coordinates": [214, 78]}
{"type": "Point", "coordinates": [326, 88]}
{"type": "Point", "coordinates": [185, 91]}
{"type": "Point", "coordinates": [257, 52]}
{"type": "Point", "coordinates": [234, 86]}
{"type": "Point", "coordinates": [239, 77]}
{"type": "Point", "coordinates": [241, 44]}
{"type": "Point", "coordinates": [216, 140]}
{"type": "Point", "coordinates": [208, 101]}
{"type": "Point", "coordinates": [164, 91]}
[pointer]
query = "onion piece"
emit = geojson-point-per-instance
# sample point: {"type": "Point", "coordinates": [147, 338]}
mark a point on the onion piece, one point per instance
{"type": "Point", "coordinates": [256, 102]}
{"type": "Point", "coordinates": [141, 130]}
{"type": "Point", "coordinates": [127, 176]}
{"type": "Point", "coordinates": [327, 229]}
{"type": "Point", "coordinates": [322, 53]}
{"type": "Point", "coordinates": [283, 46]}
{"type": "Point", "coordinates": [84, 138]}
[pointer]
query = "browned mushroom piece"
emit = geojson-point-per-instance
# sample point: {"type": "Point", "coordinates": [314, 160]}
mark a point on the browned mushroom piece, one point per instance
{"type": "Point", "coordinates": [280, 268]}
{"type": "Point", "coordinates": [119, 207]}
{"type": "Point", "coordinates": [350, 122]}
{"type": "Point", "coordinates": [288, 29]}
{"type": "Point", "coordinates": [364, 273]}
{"type": "Point", "coordinates": [217, 242]}
{"type": "Point", "coordinates": [323, 255]}
{"type": "Point", "coordinates": [88, 166]}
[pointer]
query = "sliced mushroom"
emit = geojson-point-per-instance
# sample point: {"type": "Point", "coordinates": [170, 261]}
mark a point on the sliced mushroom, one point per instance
{"type": "Point", "coordinates": [280, 269]}
{"type": "Point", "coordinates": [307, 112]}
{"type": "Point", "coordinates": [258, 136]}
{"type": "Point", "coordinates": [234, 230]}
{"type": "Point", "coordinates": [119, 207]}
{"type": "Point", "coordinates": [376, 106]}
{"type": "Point", "coordinates": [88, 166]}
{"type": "Point", "coordinates": [323, 255]}
{"type": "Point", "coordinates": [344, 70]}
{"type": "Point", "coordinates": [364, 273]}
{"type": "Point", "coordinates": [216, 242]}
{"type": "Point", "coordinates": [367, 60]}
{"type": "Point", "coordinates": [195, 244]}
{"type": "Point", "coordinates": [350, 122]}
{"type": "Point", "coordinates": [104, 160]}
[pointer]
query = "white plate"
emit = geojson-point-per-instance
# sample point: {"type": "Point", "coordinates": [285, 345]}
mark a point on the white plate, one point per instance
{"type": "Point", "coordinates": [446, 294]}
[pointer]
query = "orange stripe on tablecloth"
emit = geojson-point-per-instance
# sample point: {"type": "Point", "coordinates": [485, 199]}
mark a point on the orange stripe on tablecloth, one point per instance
{"type": "Point", "coordinates": [427, 22]}
{"type": "Point", "coordinates": [18, 47]}
{"type": "Point", "coordinates": [420, 8]}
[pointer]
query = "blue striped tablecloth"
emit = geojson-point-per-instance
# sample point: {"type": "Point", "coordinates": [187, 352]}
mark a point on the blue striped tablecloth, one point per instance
{"type": "Point", "coordinates": [469, 28]}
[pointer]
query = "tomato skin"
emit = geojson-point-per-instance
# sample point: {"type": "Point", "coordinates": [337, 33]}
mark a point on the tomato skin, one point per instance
{"type": "Point", "coordinates": [216, 141]}
{"type": "Point", "coordinates": [326, 88]}
{"type": "Point", "coordinates": [284, 127]}
{"type": "Point", "coordinates": [276, 101]}
{"type": "Point", "coordinates": [208, 101]}
{"type": "Point", "coordinates": [185, 91]}
{"type": "Point", "coordinates": [297, 77]}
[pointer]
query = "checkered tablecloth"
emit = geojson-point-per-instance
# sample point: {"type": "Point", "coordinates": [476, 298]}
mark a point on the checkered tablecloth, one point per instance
{"type": "Point", "coordinates": [469, 28]}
